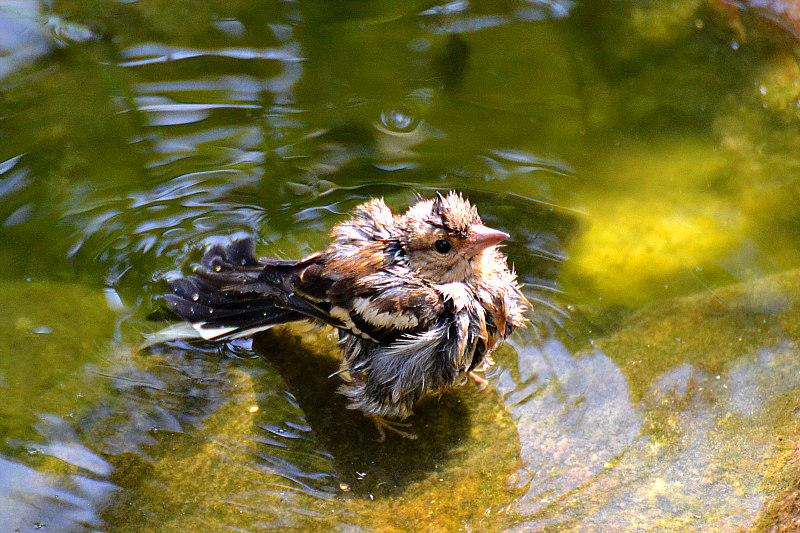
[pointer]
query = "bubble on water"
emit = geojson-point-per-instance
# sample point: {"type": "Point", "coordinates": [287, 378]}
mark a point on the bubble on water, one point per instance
{"type": "Point", "coordinates": [67, 32]}
{"type": "Point", "coordinates": [398, 120]}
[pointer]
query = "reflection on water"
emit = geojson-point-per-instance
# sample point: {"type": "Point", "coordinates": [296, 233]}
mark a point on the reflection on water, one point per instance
{"type": "Point", "coordinates": [634, 151]}
{"type": "Point", "coordinates": [28, 33]}
{"type": "Point", "coordinates": [34, 500]}
{"type": "Point", "coordinates": [574, 416]}
{"type": "Point", "coordinates": [589, 463]}
{"type": "Point", "coordinates": [22, 39]}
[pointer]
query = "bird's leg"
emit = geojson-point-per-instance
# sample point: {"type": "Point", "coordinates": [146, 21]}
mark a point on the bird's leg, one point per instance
{"type": "Point", "coordinates": [381, 424]}
{"type": "Point", "coordinates": [487, 363]}
{"type": "Point", "coordinates": [480, 380]}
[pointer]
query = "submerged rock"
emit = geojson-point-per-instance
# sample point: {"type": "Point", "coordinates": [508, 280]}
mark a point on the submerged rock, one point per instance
{"type": "Point", "coordinates": [677, 421]}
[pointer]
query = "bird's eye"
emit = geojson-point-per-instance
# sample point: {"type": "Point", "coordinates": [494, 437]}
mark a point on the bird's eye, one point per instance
{"type": "Point", "coordinates": [442, 246]}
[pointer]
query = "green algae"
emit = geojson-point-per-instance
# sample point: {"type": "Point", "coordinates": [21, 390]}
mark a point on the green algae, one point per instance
{"type": "Point", "coordinates": [752, 133]}
{"type": "Point", "coordinates": [49, 332]}
{"type": "Point", "coordinates": [683, 180]}
{"type": "Point", "coordinates": [660, 223]}
{"type": "Point", "coordinates": [662, 210]}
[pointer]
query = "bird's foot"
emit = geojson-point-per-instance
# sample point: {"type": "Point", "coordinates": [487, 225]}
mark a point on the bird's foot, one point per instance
{"type": "Point", "coordinates": [488, 362]}
{"type": "Point", "coordinates": [480, 380]}
{"type": "Point", "coordinates": [381, 424]}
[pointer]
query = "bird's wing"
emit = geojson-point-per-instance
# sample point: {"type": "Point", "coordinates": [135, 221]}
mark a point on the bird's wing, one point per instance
{"type": "Point", "coordinates": [379, 306]}
{"type": "Point", "coordinates": [234, 294]}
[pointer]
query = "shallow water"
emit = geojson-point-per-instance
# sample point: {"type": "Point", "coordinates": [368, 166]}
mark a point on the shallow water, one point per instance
{"type": "Point", "coordinates": [643, 157]}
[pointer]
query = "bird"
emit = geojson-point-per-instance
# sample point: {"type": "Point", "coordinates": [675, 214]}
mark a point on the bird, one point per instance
{"type": "Point", "coordinates": [419, 299]}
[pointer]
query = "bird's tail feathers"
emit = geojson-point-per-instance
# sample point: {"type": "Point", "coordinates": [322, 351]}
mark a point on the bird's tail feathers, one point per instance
{"type": "Point", "coordinates": [226, 299]}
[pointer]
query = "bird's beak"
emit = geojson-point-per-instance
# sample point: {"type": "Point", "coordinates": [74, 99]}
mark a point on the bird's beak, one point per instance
{"type": "Point", "coordinates": [481, 238]}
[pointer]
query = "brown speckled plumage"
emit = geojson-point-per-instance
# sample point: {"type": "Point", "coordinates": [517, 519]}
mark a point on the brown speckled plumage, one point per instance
{"type": "Point", "coordinates": [420, 299]}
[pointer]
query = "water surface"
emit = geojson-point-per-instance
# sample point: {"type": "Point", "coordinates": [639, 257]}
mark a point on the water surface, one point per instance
{"type": "Point", "coordinates": [643, 157]}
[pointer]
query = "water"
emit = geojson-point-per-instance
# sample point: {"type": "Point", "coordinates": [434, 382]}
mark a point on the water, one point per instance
{"type": "Point", "coordinates": [641, 155]}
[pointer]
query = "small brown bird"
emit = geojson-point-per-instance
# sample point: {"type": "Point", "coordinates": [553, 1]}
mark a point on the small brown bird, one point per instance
{"type": "Point", "coordinates": [419, 299]}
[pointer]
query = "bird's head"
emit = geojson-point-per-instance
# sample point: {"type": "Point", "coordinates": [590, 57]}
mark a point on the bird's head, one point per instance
{"type": "Point", "coordinates": [445, 239]}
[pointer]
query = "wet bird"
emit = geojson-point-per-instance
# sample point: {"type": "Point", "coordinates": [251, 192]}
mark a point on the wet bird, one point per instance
{"type": "Point", "coordinates": [419, 299]}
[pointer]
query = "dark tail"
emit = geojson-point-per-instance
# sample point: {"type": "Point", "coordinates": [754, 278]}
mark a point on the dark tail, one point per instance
{"type": "Point", "coordinates": [229, 297]}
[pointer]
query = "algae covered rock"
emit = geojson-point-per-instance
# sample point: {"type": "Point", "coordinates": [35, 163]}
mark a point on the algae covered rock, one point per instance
{"type": "Point", "coordinates": [466, 447]}
{"type": "Point", "coordinates": [689, 401]}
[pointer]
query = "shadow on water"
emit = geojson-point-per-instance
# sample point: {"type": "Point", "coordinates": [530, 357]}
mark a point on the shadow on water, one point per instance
{"type": "Point", "coordinates": [361, 463]}
{"type": "Point", "coordinates": [265, 442]}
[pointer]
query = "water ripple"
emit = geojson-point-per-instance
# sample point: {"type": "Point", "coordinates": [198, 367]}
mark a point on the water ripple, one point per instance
{"type": "Point", "coordinates": [148, 54]}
